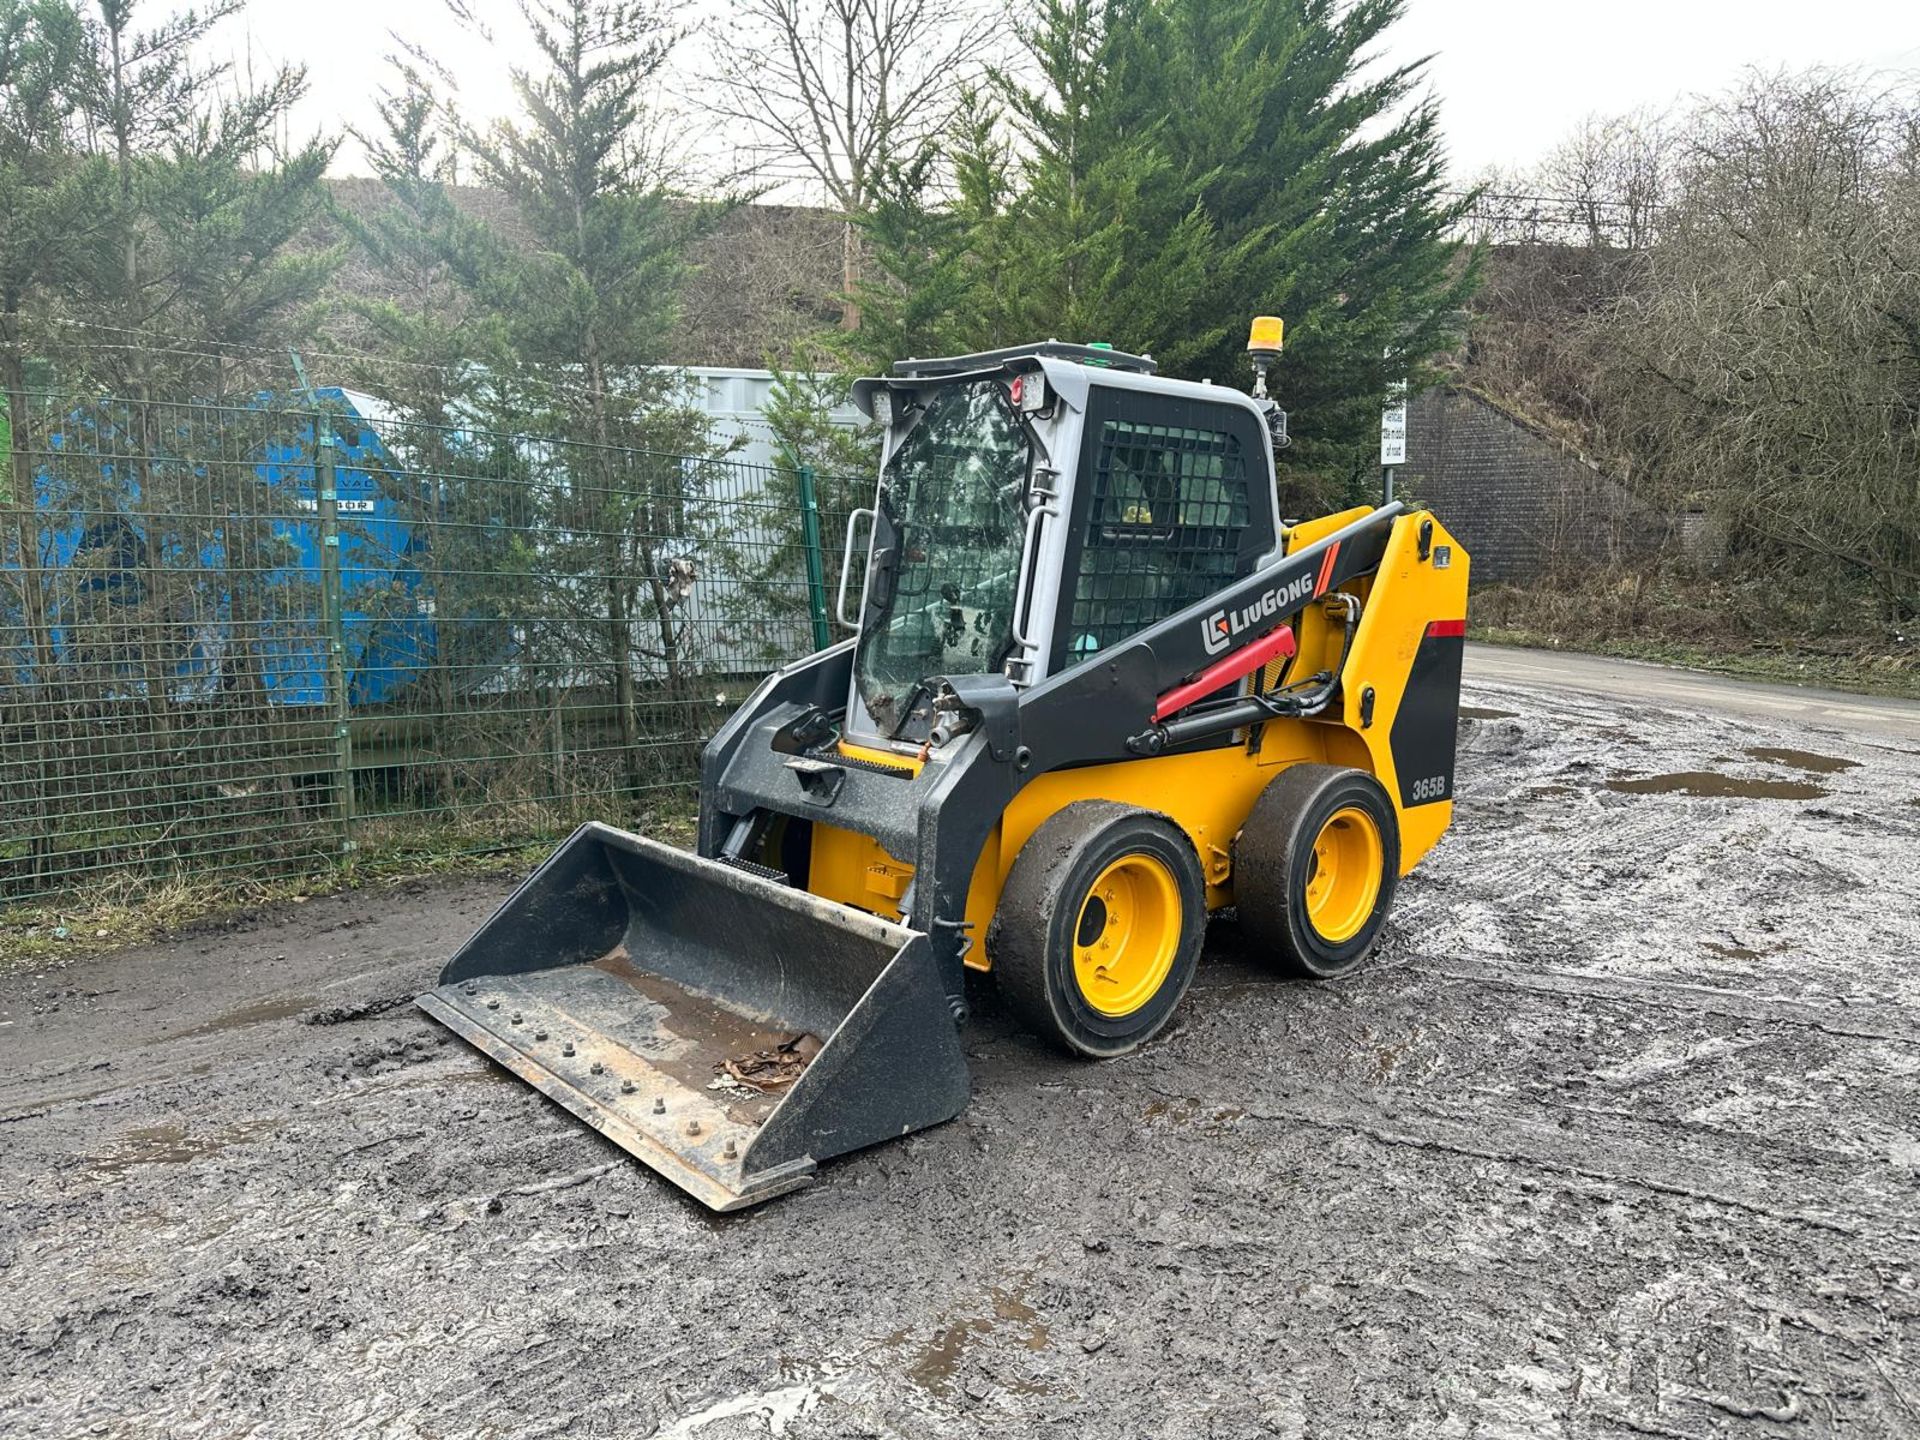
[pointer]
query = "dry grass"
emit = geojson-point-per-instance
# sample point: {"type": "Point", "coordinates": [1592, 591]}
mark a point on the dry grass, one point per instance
{"type": "Point", "coordinates": [1729, 626]}
{"type": "Point", "coordinates": [55, 932]}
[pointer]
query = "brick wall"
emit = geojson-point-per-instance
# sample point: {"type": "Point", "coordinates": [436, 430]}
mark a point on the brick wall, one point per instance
{"type": "Point", "coordinates": [1522, 502]}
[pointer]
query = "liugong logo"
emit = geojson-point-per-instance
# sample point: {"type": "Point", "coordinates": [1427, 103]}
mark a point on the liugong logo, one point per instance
{"type": "Point", "coordinates": [1219, 629]}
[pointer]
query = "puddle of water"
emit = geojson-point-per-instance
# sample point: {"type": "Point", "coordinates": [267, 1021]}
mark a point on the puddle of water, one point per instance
{"type": "Point", "coordinates": [1705, 782]}
{"type": "Point", "coordinates": [172, 1145]}
{"type": "Point", "coordinates": [1475, 712]}
{"type": "Point", "coordinates": [1802, 759]}
{"type": "Point", "coordinates": [1009, 1307]}
{"type": "Point", "coordinates": [1189, 1110]}
{"type": "Point", "coordinates": [250, 1015]}
{"type": "Point", "coordinates": [1730, 952]}
{"type": "Point", "coordinates": [935, 1368]}
{"type": "Point", "coordinates": [936, 1365]}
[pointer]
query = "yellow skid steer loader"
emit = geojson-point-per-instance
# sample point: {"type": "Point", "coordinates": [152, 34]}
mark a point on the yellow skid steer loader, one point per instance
{"type": "Point", "coordinates": [1095, 691]}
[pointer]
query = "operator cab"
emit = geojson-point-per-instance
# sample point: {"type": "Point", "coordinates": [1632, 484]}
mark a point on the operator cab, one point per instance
{"type": "Point", "coordinates": [1037, 506]}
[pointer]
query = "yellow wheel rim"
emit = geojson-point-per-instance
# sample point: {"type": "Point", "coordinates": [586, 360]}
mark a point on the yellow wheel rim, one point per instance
{"type": "Point", "coordinates": [1126, 934]}
{"type": "Point", "coordinates": [1343, 874]}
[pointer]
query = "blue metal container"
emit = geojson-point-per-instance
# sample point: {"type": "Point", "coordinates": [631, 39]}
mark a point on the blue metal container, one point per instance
{"type": "Point", "coordinates": [225, 532]}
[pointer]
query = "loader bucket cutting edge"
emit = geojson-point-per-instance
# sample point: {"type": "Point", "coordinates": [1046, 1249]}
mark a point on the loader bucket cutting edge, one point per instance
{"type": "Point", "coordinates": [623, 976]}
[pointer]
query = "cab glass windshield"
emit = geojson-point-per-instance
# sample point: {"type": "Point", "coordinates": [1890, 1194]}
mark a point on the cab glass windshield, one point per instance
{"type": "Point", "coordinates": [947, 551]}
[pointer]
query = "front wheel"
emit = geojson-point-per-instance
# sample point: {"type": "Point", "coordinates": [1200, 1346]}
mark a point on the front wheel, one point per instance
{"type": "Point", "coordinates": [1099, 927]}
{"type": "Point", "coordinates": [1315, 865]}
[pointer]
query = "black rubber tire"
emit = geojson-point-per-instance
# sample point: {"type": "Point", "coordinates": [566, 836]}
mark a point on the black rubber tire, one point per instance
{"type": "Point", "coordinates": [1272, 859]}
{"type": "Point", "coordinates": [1032, 934]}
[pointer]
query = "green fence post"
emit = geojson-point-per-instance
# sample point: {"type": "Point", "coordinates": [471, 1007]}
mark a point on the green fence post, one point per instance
{"type": "Point", "coordinates": [816, 562]}
{"type": "Point", "coordinates": [332, 606]}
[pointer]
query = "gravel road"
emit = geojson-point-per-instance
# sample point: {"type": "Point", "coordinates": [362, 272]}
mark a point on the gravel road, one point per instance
{"type": "Point", "coordinates": [1620, 1135]}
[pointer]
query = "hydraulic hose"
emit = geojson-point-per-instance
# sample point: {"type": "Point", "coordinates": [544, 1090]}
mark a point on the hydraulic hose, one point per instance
{"type": "Point", "coordinates": [1251, 709]}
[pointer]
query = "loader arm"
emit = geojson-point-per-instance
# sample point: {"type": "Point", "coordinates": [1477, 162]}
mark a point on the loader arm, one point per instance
{"type": "Point", "coordinates": [1100, 710]}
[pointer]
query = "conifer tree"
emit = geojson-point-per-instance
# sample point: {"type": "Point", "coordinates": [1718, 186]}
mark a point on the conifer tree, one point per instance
{"type": "Point", "coordinates": [945, 254]}
{"type": "Point", "coordinates": [53, 194]}
{"type": "Point", "coordinates": [436, 347]}
{"type": "Point", "coordinates": [1322, 176]}
{"type": "Point", "coordinates": [597, 291]}
{"type": "Point", "coordinates": [590, 305]}
{"type": "Point", "coordinates": [201, 265]}
{"type": "Point", "coordinates": [439, 335]}
{"type": "Point", "coordinates": [1184, 164]}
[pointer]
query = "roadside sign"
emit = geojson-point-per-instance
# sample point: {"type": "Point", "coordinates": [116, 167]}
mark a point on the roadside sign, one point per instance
{"type": "Point", "coordinates": [1393, 429]}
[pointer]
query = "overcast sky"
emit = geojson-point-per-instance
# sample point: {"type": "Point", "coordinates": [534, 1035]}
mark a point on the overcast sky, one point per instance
{"type": "Point", "coordinates": [1512, 76]}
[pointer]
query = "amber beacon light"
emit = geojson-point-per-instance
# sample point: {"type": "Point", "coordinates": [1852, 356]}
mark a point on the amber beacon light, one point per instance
{"type": "Point", "coordinates": [1263, 345]}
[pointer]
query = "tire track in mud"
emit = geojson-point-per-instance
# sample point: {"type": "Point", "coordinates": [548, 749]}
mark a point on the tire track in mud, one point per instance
{"type": "Point", "coordinates": [1643, 1161]}
{"type": "Point", "coordinates": [1641, 1115]}
{"type": "Point", "coordinates": [1853, 1022]}
{"type": "Point", "coordinates": [1542, 1124]}
{"type": "Point", "coordinates": [1894, 1025]}
{"type": "Point", "coordinates": [183, 1052]}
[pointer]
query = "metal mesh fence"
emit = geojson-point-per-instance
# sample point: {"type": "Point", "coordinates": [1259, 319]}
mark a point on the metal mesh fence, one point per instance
{"type": "Point", "coordinates": [258, 637]}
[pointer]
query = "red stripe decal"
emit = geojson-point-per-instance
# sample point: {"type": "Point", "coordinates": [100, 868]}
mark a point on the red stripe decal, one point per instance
{"type": "Point", "coordinates": [1446, 629]}
{"type": "Point", "coordinates": [1223, 672]}
{"type": "Point", "coordinates": [1326, 569]}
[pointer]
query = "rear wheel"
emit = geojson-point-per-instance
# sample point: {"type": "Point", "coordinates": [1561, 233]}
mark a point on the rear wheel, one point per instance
{"type": "Point", "coordinates": [1099, 926]}
{"type": "Point", "coordinates": [1315, 865]}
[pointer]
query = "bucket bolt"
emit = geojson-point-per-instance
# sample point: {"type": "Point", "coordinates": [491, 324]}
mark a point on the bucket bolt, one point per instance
{"type": "Point", "coordinates": [516, 1017]}
{"type": "Point", "coordinates": [659, 1104]}
{"type": "Point", "coordinates": [627, 1087]}
{"type": "Point", "coordinates": [567, 1049]}
{"type": "Point", "coordinates": [493, 1004]}
{"type": "Point", "coordinates": [596, 1068]}
{"type": "Point", "coordinates": [693, 1127]}
{"type": "Point", "coordinates": [732, 1151]}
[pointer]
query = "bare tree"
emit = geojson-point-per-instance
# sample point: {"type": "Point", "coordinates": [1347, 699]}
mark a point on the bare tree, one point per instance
{"type": "Point", "coordinates": [834, 89]}
{"type": "Point", "coordinates": [1604, 186]}
{"type": "Point", "coordinates": [1612, 176]}
{"type": "Point", "coordinates": [1765, 362]}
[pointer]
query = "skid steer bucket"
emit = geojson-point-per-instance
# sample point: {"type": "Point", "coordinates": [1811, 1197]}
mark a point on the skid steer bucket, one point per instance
{"type": "Point", "coordinates": [724, 1028]}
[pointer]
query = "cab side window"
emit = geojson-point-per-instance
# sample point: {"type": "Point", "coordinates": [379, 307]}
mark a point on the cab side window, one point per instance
{"type": "Point", "coordinates": [1165, 520]}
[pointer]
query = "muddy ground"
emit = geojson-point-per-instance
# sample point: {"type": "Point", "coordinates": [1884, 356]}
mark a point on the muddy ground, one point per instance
{"type": "Point", "coordinates": [1619, 1136]}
